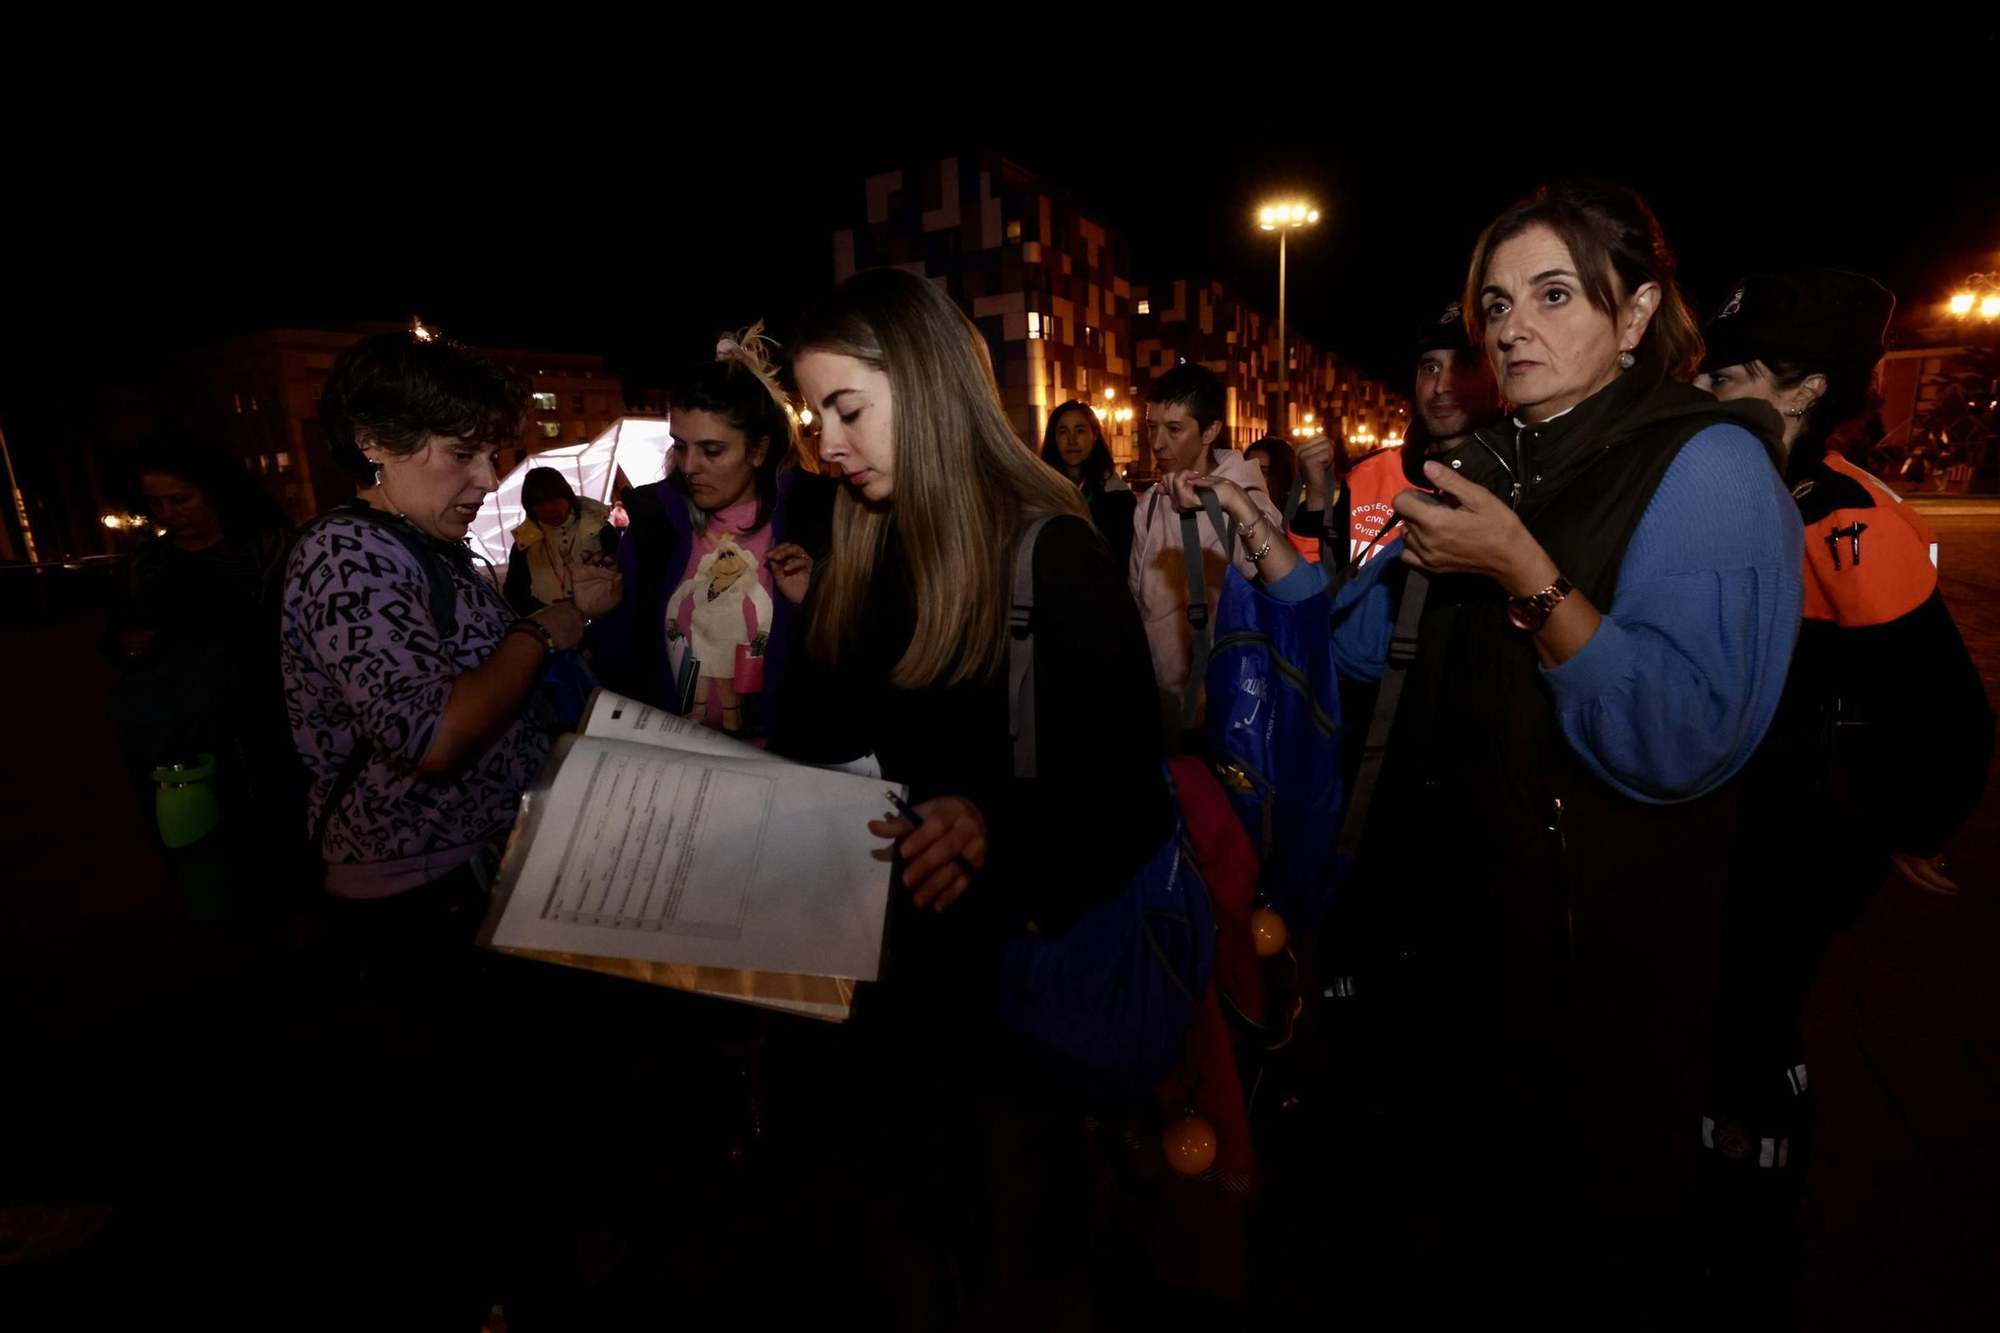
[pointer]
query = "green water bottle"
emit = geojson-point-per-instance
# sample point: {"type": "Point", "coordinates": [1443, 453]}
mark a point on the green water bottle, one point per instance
{"type": "Point", "coordinates": [184, 802]}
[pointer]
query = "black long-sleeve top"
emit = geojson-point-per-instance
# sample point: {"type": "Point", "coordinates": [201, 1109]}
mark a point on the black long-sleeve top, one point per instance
{"type": "Point", "coordinates": [1058, 843]}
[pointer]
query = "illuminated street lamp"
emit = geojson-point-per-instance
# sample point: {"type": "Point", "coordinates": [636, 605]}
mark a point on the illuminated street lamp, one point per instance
{"type": "Point", "coordinates": [1283, 218]}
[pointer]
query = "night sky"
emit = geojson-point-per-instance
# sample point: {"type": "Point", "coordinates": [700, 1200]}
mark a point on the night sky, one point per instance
{"type": "Point", "coordinates": [641, 225]}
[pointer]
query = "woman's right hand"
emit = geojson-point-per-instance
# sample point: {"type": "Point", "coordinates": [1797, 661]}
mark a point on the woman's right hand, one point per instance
{"type": "Point", "coordinates": [564, 623]}
{"type": "Point", "coordinates": [1236, 501]}
{"type": "Point", "coordinates": [1315, 466]}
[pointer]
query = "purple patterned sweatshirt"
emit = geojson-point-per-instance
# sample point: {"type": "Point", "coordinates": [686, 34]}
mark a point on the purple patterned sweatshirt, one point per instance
{"type": "Point", "coordinates": [364, 665]}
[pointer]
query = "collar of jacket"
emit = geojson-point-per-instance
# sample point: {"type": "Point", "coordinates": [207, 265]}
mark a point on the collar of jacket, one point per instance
{"type": "Point", "coordinates": [1524, 464]}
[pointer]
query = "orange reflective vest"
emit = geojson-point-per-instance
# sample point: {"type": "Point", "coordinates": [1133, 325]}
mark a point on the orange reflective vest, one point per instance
{"type": "Point", "coordinates": [1870, 558]}
{"type": "Point", "coordinates": [1373, 484]}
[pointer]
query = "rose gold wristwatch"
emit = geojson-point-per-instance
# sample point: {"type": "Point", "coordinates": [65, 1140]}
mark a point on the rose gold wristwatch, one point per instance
{"type": "Point", "coordinates": [1532, 612]}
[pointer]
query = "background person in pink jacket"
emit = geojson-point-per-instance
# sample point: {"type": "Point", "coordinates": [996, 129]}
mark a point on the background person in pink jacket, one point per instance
{"type": "Point", "coordinates": [1184, 420]}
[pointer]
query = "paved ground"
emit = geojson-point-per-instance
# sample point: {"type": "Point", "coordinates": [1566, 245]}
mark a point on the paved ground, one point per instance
{"type": "Point", "coordinates": [133, 1056]}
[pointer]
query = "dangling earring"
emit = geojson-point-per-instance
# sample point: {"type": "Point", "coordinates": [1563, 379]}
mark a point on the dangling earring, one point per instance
{"type": "Point", "coordinates": [377, 483]}
{"type": "Point", "coordinates": [1626, 361]}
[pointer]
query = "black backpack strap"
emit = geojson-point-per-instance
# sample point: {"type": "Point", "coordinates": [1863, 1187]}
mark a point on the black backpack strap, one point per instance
{"type": "Point", "coordinates": [1021, 651]}
{"type": "Point", "coordinates": [343, 783]}
{"type": "Point", "coordinates": [1331, 493]}
{"type": "Point", "coordinates": [1197, 606]}
{"type": "Point", "coordinates": [1402, 652]}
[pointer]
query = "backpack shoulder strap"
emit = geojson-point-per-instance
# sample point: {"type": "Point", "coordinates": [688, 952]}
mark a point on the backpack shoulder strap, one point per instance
{"type": "Point", "coordinates": [1197, 604]}
{"type": "Point", "coordinates": [438, 584]}
{"type": "Point", "coordinates": [1021, 650]}
{"type": "Point", "coordinates": [1402, 652]}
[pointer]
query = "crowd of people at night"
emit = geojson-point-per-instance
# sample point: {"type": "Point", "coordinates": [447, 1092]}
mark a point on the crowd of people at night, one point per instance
{"type": "Point", "coordinates": [1637, 689]}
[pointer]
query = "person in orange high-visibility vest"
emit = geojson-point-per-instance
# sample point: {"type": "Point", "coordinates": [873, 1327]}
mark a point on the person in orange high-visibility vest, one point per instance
{"type": "Point", "coordinates": [1454, 395]}
{"type": "Point", "coordinates": [1879, 748]}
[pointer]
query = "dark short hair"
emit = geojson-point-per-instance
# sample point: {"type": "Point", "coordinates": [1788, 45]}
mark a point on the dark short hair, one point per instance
{"type": "Point", "coordinates": [1284, 470]}
{"type": "Point", "coordinates": [1618, 247]}
{"type": "Point", "coordinates": [399, 389]}
{"type": "Point", "coordinates": [243, 506]}
{"type": "Point", "coordinates": [1850, 395]}
{"type": "Point", "coordinates": [1097, 465]}
{"type": "Point", "coordinates": [1191, 386]}
{"type": "Point", "coordinates": [543, 484]}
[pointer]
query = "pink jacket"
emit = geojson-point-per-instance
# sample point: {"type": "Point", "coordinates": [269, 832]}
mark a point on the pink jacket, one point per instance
{"type": "Point", "coordinates": [1158, 572]}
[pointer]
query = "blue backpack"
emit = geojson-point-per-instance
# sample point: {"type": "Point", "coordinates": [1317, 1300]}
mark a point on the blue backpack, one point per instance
{"type": "Point", "coordinates": [1273, 740]}
{"type": "Point", "coordinates": [1108, 1003]}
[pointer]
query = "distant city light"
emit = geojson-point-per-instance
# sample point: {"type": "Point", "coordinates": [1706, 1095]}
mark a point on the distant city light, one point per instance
{"type": "Point", "coordinates": [113, 521]}
{"type": "Point", "coordinates": [1961, 304]}
{"type": "Point", "coordinates": [1111, 393]}
{"type": "Point", "coordinates": [1990, 307]}
{"type": "Point", "coordinates": [417, 327]}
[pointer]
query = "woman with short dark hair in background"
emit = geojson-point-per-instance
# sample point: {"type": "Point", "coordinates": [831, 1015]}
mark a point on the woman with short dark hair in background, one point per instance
{"type": "Point", "coordinates": [1074, 446]}
{"type": "Point", "coordinates": [1878, 753]}
{"type": "Point", "coordinates": [559, 525]}
{"type": "Point", "coordinates": [407, 675]}
{"type": "Point", "coordinates": [190, 633]}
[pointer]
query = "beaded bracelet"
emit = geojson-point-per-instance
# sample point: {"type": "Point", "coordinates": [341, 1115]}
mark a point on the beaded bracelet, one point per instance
{"type": "Point", "coordinates": [537, 630]}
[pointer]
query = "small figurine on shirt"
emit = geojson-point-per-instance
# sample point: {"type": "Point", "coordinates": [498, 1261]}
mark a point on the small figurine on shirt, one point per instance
{"type": "Point", "coordinates": [726, 614]}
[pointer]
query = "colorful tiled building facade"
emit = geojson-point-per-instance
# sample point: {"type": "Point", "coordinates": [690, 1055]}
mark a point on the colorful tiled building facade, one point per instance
{"type": "Point", "coordinates": [1048, 286]}
{"type": "Point", "coordinates": [1051, 290]}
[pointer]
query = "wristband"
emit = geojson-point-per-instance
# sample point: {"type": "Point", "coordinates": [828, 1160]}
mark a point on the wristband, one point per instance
{"type": "Point", "coordinates": [535, 629]}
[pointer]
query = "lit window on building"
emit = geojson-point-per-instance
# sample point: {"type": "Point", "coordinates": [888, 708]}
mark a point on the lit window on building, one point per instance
{"type": "Point", "coordinates": [552, 430]}
{"type": "Point", "coordinates": [1014, 230]}
{"type": "Point", "coordinates": [1145, 307]}
{"type": "Point", "coordinates": [265, 461]}
{"type": "Point", "coordinates": [1034, 323]}
{"type": "Point", "coordinates": [284, 462]}
{"type": "Point", "coordinates": [545, 402]}
{"type": "Point", "coordinates": [576, 402]}
{"type": "Point", "coordinates": [253, 402]}
{"type": "Point", "coordinates": [581, 431]}
{"type": "Point", "coordinates": [237, 398]}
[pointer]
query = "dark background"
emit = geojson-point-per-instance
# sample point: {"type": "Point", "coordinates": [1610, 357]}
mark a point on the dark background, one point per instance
{"type": "Point", "coordinates": [638, 210]}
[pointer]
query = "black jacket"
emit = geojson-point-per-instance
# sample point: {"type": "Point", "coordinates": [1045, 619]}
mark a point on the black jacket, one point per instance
{"type": "Point", "coordinates": [1059, 842]}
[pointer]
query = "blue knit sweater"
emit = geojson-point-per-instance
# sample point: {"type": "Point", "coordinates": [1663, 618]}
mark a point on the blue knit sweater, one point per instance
{"type": "Point", "coordinates": [1677, 686]}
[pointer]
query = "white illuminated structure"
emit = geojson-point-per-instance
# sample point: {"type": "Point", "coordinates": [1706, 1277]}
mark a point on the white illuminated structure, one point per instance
{"type": "Point", "coordinates": [635, 446]}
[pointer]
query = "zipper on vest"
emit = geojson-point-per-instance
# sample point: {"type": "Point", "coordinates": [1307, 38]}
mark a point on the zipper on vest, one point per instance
{"type": "Point", "coordinates": [1514, 498]}
{"type": "Point", "coordinates": [1559, 847]}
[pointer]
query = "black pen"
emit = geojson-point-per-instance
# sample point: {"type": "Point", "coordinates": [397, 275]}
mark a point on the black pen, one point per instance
{"type": "Point", "coordinates": [904, 809]}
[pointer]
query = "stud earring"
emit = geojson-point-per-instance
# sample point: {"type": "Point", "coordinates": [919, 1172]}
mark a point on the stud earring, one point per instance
{"type": "Point", "coordinates": [1626, 361]}
{"type": "Point", "coordinates": [1795, 411]}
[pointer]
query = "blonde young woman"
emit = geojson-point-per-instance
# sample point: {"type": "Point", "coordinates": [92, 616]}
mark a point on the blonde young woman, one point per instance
{"type": "Point", "coordinates": [905, 658]}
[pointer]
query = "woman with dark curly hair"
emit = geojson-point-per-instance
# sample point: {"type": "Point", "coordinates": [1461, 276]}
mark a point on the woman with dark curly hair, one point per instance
{"type": "Point", "coordinates": [407, 675]}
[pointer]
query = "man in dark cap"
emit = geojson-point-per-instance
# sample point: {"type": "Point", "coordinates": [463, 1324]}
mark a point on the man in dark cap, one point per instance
{"type": "Point", "coordinates": [1878, 751]}
{"type": "Point", "coordinates": [1454, 395]}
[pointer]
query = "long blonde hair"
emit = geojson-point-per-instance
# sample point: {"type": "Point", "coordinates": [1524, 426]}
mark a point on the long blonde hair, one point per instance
{"type": "Point", "coordinates": [966, 484]}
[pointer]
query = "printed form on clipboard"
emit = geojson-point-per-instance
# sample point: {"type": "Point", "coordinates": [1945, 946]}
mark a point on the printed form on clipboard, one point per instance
{"type": "Point", "coordinates": [654, 848]}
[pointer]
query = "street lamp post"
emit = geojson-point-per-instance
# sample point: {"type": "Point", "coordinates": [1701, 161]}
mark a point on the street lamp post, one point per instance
{"type": "Point", "coordinates": [1283, 218]}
